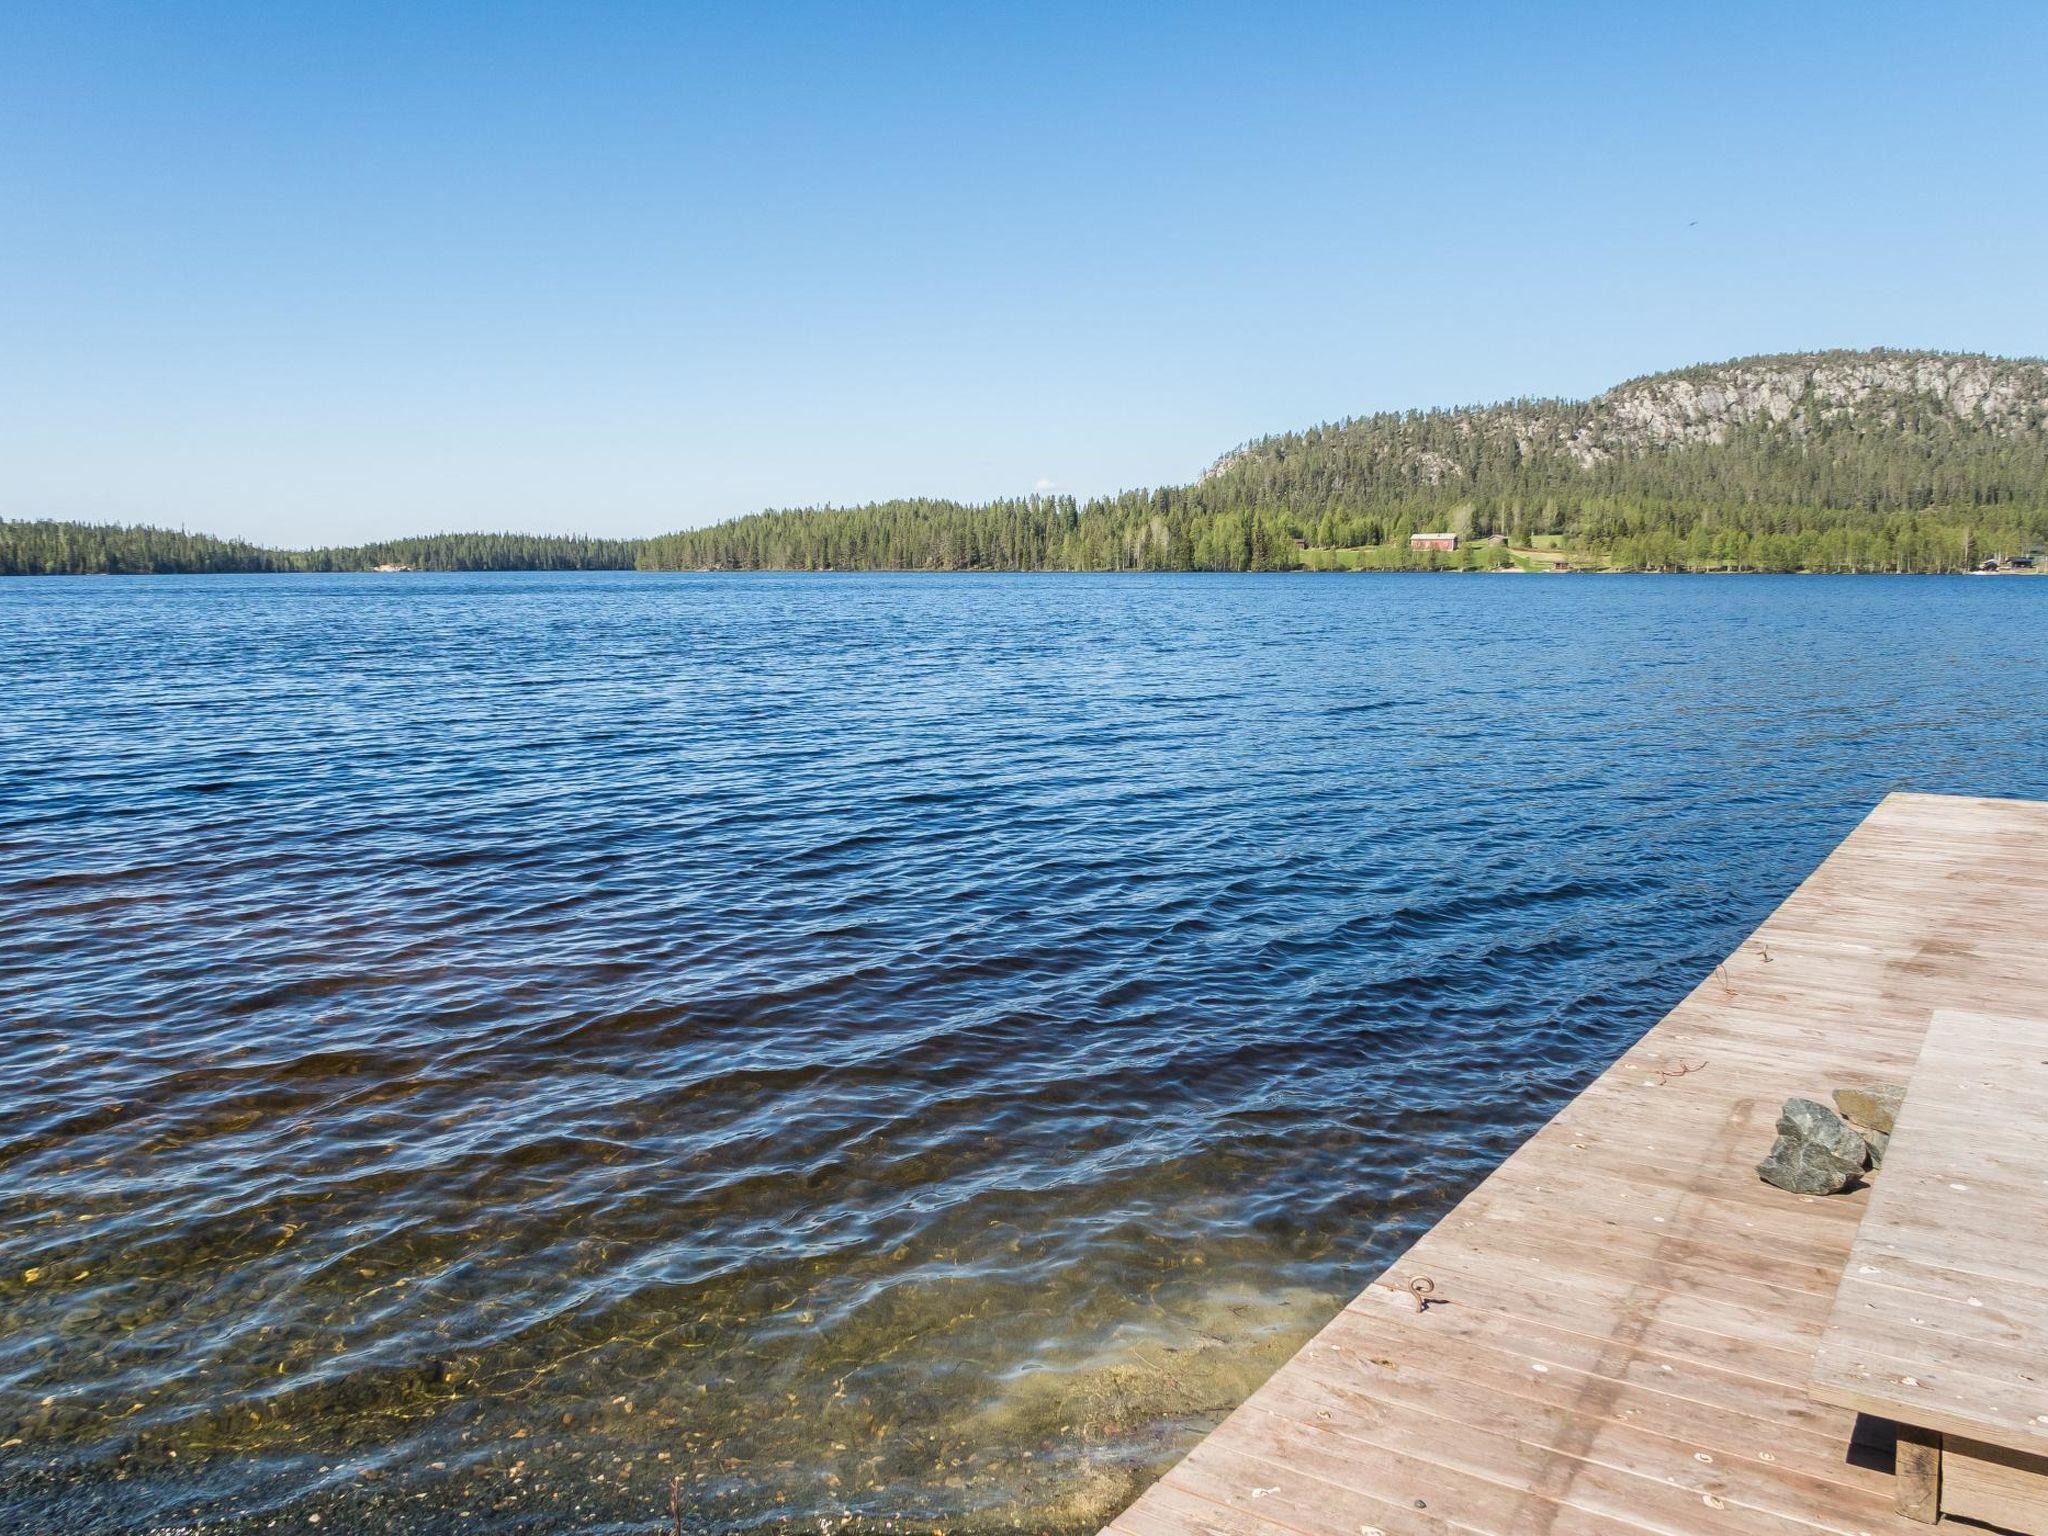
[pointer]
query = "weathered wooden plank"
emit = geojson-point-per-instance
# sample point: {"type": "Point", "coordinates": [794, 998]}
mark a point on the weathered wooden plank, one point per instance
{"type": "Point", "coordinates": [1319, 1480]}
{"type": "Point", "coordinates": [2001, 1487]}
{"type": "Point", "coordinates": [1918, 1468]}
{"type": "Point", "coordinates": [1623, 1296]}
{"type": "Point", "coordinates": [1963, 1191]}
{"type": "Point", "coordinates": [1732, 1417]}
{"type": "Point", "coordinates": [1525, 1443]}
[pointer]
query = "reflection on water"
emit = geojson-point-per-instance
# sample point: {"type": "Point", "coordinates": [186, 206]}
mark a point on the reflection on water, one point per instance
{"type": "Point", "coordinates": [885, 1053]}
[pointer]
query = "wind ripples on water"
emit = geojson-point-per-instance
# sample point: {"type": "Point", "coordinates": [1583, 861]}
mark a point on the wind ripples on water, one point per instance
{"type": "Point", "coordinates": [876, 1049]}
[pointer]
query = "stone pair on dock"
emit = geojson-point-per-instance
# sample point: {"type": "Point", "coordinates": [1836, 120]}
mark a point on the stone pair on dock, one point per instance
{"type": "Point", "coordinates": [1820, 1151]}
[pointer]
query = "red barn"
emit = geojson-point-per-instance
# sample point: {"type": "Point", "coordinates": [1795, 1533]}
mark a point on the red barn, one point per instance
{"type": "Point", "coordinates": [1443, 541]}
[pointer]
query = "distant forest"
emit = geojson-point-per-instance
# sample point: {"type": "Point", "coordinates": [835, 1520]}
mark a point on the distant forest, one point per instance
{"type": "Point", "coordinates": [1896, 482]}
{"type": "Point", "coordinates": [95, 549]}
{"type": "Point", "coordinates": [1196, 530]}
{"type": "Point", "coordinates": [1880, 461]}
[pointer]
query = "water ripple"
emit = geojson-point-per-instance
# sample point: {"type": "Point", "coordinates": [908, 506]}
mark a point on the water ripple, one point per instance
{"type": "Point", "coordinates": [878, 1049]}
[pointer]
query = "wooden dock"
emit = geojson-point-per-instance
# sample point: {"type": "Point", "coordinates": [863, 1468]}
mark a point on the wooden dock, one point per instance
{"type": "Point", "coordinates": [1623, 1319]}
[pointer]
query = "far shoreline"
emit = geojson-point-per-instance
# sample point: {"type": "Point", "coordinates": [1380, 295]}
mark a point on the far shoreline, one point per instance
{"type": "Point", "coordinates": [68, 576]}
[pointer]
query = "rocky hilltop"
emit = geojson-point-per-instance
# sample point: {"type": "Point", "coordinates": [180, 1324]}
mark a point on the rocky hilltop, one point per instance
{"type": "Point", "coordinates": [1879, 391]}
{"type": "Point", "coordinates": [1790, 396]}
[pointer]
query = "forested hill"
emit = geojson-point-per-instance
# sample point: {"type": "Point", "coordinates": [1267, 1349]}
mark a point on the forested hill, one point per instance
{"type": "Point", "coordinates": [97, 549]}
{"type": "Point", "coordinates": [1830, 461]}
{"type": "Point", "coordinates": [1842, 461]}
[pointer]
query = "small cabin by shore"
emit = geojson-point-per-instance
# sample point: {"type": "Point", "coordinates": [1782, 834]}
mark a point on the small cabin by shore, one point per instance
{"type": "Point", "coordinates": [1443, 541]}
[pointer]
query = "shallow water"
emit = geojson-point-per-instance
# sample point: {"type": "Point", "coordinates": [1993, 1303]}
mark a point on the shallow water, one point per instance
{"type": "Point", "coordinates": [893, 1052]}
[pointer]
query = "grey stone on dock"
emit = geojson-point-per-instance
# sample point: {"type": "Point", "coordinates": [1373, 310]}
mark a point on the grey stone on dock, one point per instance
{"type": "Point", "coordinates": [1805, 1168]}
{"type": "Point", "coordinates": [1876, 1141]}
{"type": "Point", "coordinates": [1874, 1106]}
{"type": "Point", "coordinates": [1804, 1120]}
{"type": "Point", "coordinates": [1817, 1152]}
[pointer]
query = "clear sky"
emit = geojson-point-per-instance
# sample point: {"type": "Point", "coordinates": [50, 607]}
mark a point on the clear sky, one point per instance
{"type": "Point", "coordinates": [315, 273]}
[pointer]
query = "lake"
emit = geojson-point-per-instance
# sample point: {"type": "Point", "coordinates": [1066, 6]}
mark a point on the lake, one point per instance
{"type": "Point", "coordinates": [892, 1052]}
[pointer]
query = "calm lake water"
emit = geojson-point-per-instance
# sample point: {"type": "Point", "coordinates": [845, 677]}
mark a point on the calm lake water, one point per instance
{"type": "Point", "coordinates": [892, 1052]}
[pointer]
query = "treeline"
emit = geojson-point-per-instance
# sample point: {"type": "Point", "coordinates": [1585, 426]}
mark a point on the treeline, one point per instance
{"type": "Point", "coordinates": [1196, 529]}
{"type": "Point", "coordinates": [1182, 529]}
{"type": "Point", "coordinates": [1877, 461]}
{"type": "Point", "coordinates": [96, 549]}
{"type": "Point", "coordinates": [1914, 460]}
{"type": "Point", "coordinates": [488, 552]}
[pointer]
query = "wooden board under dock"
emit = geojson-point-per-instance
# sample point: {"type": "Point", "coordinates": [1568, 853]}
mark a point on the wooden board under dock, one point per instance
{"type": "Point", "coordinates": [1627, 1317]}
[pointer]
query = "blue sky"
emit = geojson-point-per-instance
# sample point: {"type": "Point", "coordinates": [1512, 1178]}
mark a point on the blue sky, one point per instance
{"type": "Point", "coordinates": [321, 273]}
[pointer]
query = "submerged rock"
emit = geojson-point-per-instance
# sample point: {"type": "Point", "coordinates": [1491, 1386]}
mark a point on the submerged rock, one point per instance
{"type": "Point", "coordinates": [1806, 1168]}
{"type": "Point", "coordinates": [1874, 1106]}
{"type": "Point", "coordinates": [1804, 1120]}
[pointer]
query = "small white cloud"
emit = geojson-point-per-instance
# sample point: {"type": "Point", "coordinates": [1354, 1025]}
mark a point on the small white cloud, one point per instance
{"type": "Point", "coordinates": [1043, 484]}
